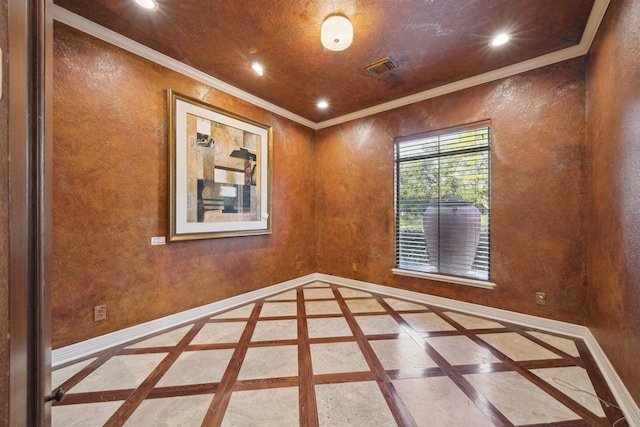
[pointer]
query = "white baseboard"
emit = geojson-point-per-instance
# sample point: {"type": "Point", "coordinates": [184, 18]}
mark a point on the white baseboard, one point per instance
{"type": "Point", "coordinates": [86, 348]}
{"type": "Point", "coordinates": [64, 355]}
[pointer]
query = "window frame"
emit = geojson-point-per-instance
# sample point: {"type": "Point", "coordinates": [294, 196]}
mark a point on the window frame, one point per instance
{"type": "Point", "coordinates": [439, 276]}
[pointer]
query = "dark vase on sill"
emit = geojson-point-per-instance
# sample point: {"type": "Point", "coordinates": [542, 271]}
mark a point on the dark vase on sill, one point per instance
{"type": "Point", "coordinates": [452, 233]}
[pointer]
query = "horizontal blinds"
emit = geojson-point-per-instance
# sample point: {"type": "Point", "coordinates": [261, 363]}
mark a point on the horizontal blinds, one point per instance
{"type": "Point", "coordinates": [443, 196]}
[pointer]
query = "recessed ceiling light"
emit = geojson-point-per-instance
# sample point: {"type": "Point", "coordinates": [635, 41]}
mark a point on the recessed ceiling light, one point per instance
{"type": "Point", "coordinates": [500, 39]}
{"type": "Point", "coordinates": [323, 104]}
{"type": "Point", "coordinates": [147, 4]}
{"type": "Point", "coordinates": [257, 68]}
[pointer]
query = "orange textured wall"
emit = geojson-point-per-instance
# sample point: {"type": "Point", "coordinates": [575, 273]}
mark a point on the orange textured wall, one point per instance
{"type": "Point", "coordinates": [537, 219]}
{"type": "Point", "coordinates": [110, 166]}
{"type": "Point", "coordinates": [613, 159]}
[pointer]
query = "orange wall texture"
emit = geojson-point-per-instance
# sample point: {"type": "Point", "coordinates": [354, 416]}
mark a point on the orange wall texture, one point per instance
{"type": "Point", "coordinates": [613, 160]}
{"type": "Point", "coordinates": [538, 191]}
{"type": "Point", "coordinates": [110, 197]}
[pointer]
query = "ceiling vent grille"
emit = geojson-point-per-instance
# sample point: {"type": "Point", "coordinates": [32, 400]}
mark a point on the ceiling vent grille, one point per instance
{"type": "Point", "coordinates": [380, 66]}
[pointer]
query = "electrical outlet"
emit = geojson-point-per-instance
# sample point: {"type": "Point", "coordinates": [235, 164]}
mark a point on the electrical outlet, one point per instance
{"type": "Point", "coordinates": [298, 265]}
{"type": "Point", "coordinates": [541, 298]}
{"type": "Point", "coordinates": [354, 266]}
{"type": "Point", "coordinates": [99, 313]}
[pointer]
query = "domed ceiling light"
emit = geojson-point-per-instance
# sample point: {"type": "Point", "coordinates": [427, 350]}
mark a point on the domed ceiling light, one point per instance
{"type": "Point", "coordinates": [336, 33]}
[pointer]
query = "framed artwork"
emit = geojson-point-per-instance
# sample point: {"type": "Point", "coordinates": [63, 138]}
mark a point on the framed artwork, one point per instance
{"type": "Point", "coordinates": [220, 172]}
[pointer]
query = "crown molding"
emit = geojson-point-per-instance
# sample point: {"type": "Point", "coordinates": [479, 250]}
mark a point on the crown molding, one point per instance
{"type": "Point", "coordinates": [79, 23]}
{"type": "Point", "coordinates": [591, 28]}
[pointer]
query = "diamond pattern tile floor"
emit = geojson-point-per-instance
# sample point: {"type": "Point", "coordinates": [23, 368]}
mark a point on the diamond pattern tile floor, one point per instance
{"type": "Point", "coordinates": [324, 355]}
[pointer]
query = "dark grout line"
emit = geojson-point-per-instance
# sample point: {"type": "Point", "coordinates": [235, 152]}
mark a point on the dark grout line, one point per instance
{"type": "Point", "coordinates": [612, 412]}
{"type": "Point", "coordinates": [218, 406]}
{"type": "Point", "coordinates": [485, 406]}
{"type": "Point", "coordinates": [399, 410]}
{"type": "Point", "coordinates": [531, 377]}
{"type": "Point", "coordinates": [135, 399]}
{"type": "Point", "coordinates": [306, 392]}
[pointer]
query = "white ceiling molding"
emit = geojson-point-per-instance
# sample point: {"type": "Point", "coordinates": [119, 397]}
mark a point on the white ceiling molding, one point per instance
{"type": "Point", "coordinates": [78, 22]}
{"type": "Point", "coordinates": [591, 28]}
{"type": "Point", "coordinates": [595, 18]}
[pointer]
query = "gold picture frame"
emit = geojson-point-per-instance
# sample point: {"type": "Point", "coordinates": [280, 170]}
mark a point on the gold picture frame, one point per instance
{"type": "Point", "coordinates": [219, 170]}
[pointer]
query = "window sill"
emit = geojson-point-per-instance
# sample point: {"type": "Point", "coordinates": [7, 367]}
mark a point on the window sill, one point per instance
{"type": "Point", "coordinates": [442, 278]}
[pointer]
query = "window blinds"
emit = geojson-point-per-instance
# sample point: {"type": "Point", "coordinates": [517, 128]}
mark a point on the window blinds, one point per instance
{"type": "Point", "coordinates": [443, 202]}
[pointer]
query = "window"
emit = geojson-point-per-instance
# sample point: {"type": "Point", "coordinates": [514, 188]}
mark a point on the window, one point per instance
{"type": "Point", "coordinates": [443, 202]}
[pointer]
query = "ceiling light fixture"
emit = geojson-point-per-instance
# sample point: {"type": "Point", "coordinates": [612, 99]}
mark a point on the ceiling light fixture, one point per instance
{"type": "Point", "coordinates": [323, 104]}
{"type": "Point", "coordinates": [147, 4]}
{"type": "Point", "coordinates": [257, 68]}
{"type": "Point", "coordinates": [500, 39]}
{"type": "Point", "coordinates": [336, 33]}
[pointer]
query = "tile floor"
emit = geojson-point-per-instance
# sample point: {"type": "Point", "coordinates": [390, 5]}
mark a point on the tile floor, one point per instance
{"type": "Point", "coordinates": [323, 355]}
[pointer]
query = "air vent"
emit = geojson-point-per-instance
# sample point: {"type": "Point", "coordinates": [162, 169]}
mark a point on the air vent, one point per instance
{"type": "Point", "coordinates": [380, 66]}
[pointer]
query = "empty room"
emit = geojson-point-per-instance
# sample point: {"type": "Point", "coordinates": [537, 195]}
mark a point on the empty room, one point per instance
{"type": "Point", "coordinates": [321, 213]}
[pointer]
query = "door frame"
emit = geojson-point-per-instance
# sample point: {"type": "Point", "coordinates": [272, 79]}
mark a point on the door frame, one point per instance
{"type": "Point", "coordinates": [30, 47]}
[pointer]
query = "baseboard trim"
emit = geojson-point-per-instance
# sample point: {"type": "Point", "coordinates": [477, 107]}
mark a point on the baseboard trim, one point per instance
{"type": "Point", "coordinates": [70, 353]}
{"type": "Point", "coordinates": [86, 348]}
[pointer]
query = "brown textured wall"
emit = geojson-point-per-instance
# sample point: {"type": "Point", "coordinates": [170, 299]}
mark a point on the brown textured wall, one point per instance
{"type": "Point", "coordinates": [537, 219]}
{"type": "Point", "coordinates": [4, 224]}
{"type": "Point", "coordinates": [110, 145]}
{"type": "Point", "coordinates": [613, 160]}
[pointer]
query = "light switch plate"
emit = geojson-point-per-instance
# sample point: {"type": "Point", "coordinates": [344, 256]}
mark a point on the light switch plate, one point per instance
{"type": "Point", "coordinates": [158, 240]}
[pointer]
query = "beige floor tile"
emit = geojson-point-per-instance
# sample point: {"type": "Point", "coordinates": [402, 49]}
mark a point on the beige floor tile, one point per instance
{"type": "Point", "coordinates": [357, 404]}
{"type": "Point", "coordinates": [365, 306]}
{"type": "Point", "coordinates": [353, 293]}
{"type": "Point", "coordinates": [270, 330]}
{"type": "Point", "coordinates": [401, 353]}
{"type": "Point", "coordinates": [183, 411]}
{"type": "Point", "coordinates": [61, 375]}
{"type": "Point", "coordinates": [337, 357]}
{"type": "Point", "coordinates": [519, 400]}
{"type": "Point", "coordinates": [460, 350]}
{"type": "Point", "coordinates": [574, 382]}
{"type": "Point", "coordinates": [265, 408]}
{"type": "Point", "coordinates": [318, 293]}
{"type": "Point", "coordinates": [90, 414]}
{"type": "Point", "coordinates": [270, 362]}
{"type": "Point", "coordinates": [518, 347]}
{"type": "Point", "coordinates": [564, 344]}
{"type": "Point", "coordinates": [168, 339]}
{"type": "Point", "coordinates": [288, 295]}
{"type": "Point", "coordinates": [427, 322]}
{"type": "Point", "coordinates": [277, 309]}
{"type": "Point", "coordinates": [219, 332]}
{"type": "Point", "coordinates": [471, 322]}
{"type": "Point", "coordinates": [437, 401]}
{"type": "Point", "coordinates": [328, 327]}
{"type": "Point", "coordinates": [120, 372]}
{"type": "Point", "coordinates": [242, 312]}
{"type": "Point", "coordinates": [322, 307]}
{"type": "Point", "coordinates": [379, 324]}
{"type": "Point", "coordinates": [400, 305]}
{"type": "Point", "coordinates": [197, 367]}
